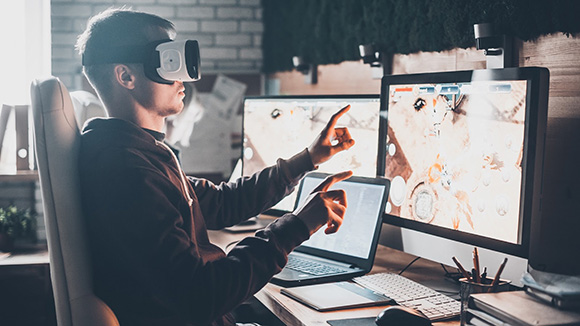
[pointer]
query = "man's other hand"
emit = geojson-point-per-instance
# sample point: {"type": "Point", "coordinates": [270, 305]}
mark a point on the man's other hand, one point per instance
{"type": "Point", "coordinates": [331, 140]}
{"type": "Point", "coordinates": [324, 206]}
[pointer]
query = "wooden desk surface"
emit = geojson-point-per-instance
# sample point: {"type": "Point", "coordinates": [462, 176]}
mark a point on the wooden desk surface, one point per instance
{"type": "Point", "coordinates": [292, 312]}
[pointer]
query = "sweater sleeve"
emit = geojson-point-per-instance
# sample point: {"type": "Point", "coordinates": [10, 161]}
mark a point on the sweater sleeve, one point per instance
{"type": "Point", "coordinates": [147, 251]}
{"type": "Point", "coordinates": [227, 204]}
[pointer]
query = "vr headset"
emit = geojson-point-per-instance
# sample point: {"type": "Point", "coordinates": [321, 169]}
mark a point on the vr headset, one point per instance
{"type": "Point", "coordinates": [164, 61]}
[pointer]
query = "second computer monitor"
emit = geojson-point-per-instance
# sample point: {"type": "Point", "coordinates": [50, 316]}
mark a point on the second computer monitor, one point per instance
{"type": "Point", "coordinates": [281, 126]}
{"type": "Point", "coordinates": [464, 152]}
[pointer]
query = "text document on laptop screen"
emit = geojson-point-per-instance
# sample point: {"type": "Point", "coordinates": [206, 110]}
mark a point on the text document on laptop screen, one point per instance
{"type": "Point", "coordinates": [354, 237]}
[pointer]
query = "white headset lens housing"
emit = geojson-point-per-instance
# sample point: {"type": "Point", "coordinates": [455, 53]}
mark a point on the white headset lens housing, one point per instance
{"type": "Point", "coordinates": [179, 60]}
{"type": "Point", "coordinates": [171, 61]}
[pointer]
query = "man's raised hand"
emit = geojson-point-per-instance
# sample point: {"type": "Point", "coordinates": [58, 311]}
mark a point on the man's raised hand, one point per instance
{"type": "Point", "coordinates": [325, 206]}
{"type": "Point", "coordinates": [331, 140]}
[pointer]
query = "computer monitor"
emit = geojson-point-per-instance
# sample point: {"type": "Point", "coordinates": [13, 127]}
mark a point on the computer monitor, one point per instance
{"type": "Point", "coordinates": [281, 126]}
{"type": "Point", "coordinates": [464, 152]}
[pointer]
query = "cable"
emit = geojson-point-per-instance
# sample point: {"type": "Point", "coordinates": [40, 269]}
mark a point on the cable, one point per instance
{"type": "Point", "coordinates": [444, 268]}
{"type": "Point", "coordinates": [409, 264]}
{"type": "Point", "coordinates": [233, 243]}
{"type": "Point", "coordinates": [451, 275]}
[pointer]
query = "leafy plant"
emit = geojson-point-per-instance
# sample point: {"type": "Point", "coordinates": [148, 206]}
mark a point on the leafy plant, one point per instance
{"type": "Point", "coordinates": [18, 223]}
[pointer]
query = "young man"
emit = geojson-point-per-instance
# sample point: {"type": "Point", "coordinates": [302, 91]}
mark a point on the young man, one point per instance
{"type": "Point", "coordinates": [153, 261]}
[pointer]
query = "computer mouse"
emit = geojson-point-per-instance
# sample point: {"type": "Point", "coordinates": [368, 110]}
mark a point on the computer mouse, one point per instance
{"type": "Point", "coordinates": [399, 315]}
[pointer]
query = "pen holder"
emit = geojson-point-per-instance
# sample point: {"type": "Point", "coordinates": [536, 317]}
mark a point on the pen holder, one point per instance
{"type": "Point", "coordinates": [469, 287]}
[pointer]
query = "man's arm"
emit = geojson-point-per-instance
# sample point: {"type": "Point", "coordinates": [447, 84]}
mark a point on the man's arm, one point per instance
{"type": "Point", "coordinates": [231, 203]}
{"type": "Point", "coordinates": [148, 244]}
{"type": "Point", "coordinates": [227, 204]}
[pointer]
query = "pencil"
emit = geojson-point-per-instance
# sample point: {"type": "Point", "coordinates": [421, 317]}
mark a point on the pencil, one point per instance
{"type": "Point", "coordinates": [497, 275]}
{"type": "Point", "coordinates": [461, 269]}
{"type": "Point", "coordinates": [476, 277]}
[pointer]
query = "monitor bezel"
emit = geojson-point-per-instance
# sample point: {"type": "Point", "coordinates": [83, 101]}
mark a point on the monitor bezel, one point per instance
{"type": "Point", "coordinates": [532, 163]}
{"type": "Point", "coordinates": [279, 212]}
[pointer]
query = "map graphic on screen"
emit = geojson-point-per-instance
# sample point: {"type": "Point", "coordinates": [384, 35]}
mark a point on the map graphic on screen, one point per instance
{"type": "Point", "coordinates": [279, 127]}
{"type": "Point", "coordinates": [454, 155]}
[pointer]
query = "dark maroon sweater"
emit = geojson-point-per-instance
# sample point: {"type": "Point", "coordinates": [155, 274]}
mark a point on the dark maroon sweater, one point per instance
{"type": "Point", "coordinates": [153, 263]}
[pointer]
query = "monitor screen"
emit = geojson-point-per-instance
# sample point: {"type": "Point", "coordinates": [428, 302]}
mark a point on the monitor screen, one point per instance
{"type": "Point", "coordinates": [463, 151]}
{"type": "Point", "coordinates": [281, 126]}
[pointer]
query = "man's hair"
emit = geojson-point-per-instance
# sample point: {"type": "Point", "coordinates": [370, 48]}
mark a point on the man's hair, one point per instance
{"type": "Point", "coordinates": [112, 28]}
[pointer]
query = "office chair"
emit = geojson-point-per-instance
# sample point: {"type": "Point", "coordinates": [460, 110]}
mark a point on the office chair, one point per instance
{"type": "Point", "coordinates": [57, 141]}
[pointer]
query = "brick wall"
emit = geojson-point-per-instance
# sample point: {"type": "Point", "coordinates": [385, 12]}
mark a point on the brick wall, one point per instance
{"type": "Point", "coordinates": [229, 31]}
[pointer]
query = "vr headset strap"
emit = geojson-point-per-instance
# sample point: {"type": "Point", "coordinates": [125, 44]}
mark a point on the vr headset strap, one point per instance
{"type": "Point", "coordinates": [124, 54]}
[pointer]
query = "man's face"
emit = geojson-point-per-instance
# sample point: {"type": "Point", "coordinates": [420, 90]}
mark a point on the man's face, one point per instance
{"type": "Point", "coordinates": [162, 99]}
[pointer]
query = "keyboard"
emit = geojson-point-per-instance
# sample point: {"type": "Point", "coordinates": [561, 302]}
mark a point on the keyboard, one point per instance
{"type": "Point", "coordinates": [408, 293]}
{"type": "Point", "coordinates": [311, 267]}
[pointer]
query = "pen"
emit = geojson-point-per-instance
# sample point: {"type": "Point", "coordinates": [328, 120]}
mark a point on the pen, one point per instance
{"type": "Point", "coordinates": [497, 275]}
{"type": "Point", "coordinates": [484, 275]}
{"type": "Point", "coordinates": [461, 269]}
{"type": "Point", "coordinates": [476, 277]}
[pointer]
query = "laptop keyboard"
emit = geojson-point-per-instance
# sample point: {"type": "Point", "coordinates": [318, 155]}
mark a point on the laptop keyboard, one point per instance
{"type": "Point", "coordinates": [311, 267]}
{"type": "Point", "coordinates": [408, 293]}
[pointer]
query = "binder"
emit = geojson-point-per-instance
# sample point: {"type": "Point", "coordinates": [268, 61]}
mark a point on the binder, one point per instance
{"type": "Point", "coordinates": [480, 318]}
{"type": "Point", "coordinates": [562, 302]}
{"type": "Point", "coordinates": [22, 133]}
{"type": "Point", "coordinates": [4, 116]}
{"type": "Point", "coordinates": [22, 141]}
{"type": "Point", "coordinates": [519, 308]}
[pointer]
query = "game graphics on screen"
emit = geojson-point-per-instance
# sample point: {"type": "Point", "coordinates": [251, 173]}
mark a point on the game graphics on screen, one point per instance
{"type": "Point", "coordinates": [454, 155]}
{"type": "Point", "coordinates": [281, 128]}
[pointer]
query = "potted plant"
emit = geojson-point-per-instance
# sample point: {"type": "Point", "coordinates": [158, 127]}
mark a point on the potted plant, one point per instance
{"type": "Point", "coordinates": [15, 224]}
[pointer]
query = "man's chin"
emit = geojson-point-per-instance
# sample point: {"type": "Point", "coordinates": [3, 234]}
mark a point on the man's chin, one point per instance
{"type": "Point", "coordinates": [174, 111]}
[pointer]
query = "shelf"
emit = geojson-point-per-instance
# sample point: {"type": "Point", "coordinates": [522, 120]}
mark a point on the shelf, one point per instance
{"type": "Point", "coordinates": [20, 176]}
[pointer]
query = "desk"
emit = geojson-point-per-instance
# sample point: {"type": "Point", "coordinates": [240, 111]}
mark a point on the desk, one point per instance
{"type": "Point", "coordinates": [291, 312]}
{"type": "Point", "coordinates": [26, 297]}
{"type": "Point", "coordinates": [33, 256]}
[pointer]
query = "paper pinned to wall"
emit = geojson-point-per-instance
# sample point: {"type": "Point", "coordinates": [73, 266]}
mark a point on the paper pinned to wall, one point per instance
{"type": "Point", "coordinates": [205, 140]}
{"type": "Point", "coordinates": [180, 127]}
{"type": "Point", "coordinates": [209, 148]}
{"type": "Point", "coordinates": [226, 96]}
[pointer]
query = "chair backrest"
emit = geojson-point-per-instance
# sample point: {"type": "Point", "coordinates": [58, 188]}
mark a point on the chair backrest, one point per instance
{"type": "Point", "coordinates": [57, 141]}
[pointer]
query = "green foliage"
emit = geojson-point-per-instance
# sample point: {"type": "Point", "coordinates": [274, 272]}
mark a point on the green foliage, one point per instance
{"type": "Point", "coordinates": [18, 223]}
{"type": "Point", "coordinates": [330, 31]}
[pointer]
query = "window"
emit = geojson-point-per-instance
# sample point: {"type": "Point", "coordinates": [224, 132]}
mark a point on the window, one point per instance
{"type": "Point", "coordinates": [24, 55]}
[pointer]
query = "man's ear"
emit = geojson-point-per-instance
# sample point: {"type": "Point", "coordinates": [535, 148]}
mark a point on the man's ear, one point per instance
{"type": "Point", "coordinates": [125, 76]}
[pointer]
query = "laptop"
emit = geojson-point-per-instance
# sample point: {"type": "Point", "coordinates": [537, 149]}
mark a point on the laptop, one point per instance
{"type": "Point", "coordinates": [347, 253]}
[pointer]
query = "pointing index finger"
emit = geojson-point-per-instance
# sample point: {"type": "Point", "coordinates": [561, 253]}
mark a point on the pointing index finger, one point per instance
{"type": "Point", "coordinates": [336, 116]}
{"type": "Point", "coordinates": [332, 179]}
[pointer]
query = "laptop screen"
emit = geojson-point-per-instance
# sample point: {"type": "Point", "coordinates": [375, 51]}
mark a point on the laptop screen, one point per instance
{"type": "Point", "coordinates": [364, 208]}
